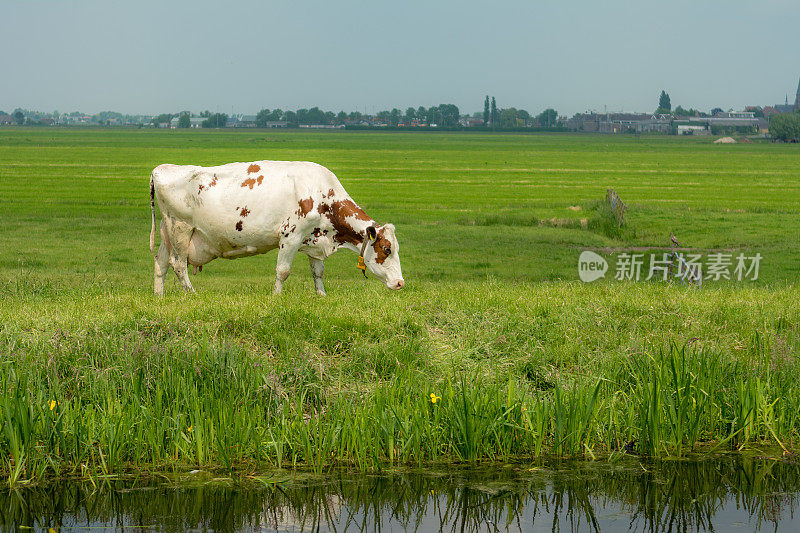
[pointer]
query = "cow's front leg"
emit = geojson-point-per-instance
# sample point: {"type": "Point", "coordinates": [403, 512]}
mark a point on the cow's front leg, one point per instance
{"type": "Point", "coordinates": [286, 253]}
{"type": "Point", "coordinates": [317, 269]}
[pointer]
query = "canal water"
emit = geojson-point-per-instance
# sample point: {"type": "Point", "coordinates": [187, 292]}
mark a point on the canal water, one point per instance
{"type": "Point", "coordinates": [755, 493]}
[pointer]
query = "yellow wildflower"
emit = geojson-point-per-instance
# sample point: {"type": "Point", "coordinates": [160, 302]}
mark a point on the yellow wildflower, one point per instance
{"type": "Point", "coordinates": [190, 429]}
{"type": "Point", "coordinates": [435, 398]}
{"type": "Point", "coordinates": [53, 404]}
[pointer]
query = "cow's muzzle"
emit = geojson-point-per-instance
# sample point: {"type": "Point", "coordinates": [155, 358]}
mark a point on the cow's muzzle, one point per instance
{"type": "Point", "coordinates": [396, 285]}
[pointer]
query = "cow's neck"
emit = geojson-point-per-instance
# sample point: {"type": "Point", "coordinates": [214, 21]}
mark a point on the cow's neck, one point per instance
{"type": "Point", "coordinates": [354, 237]}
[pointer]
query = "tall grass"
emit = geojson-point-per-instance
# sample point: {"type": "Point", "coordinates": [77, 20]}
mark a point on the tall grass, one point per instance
{"type": "Point", "coordinates": [211, 409]}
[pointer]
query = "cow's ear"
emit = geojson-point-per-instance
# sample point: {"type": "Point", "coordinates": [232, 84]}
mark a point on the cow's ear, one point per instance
{"type": "Point", "coordinates": [372, 233]}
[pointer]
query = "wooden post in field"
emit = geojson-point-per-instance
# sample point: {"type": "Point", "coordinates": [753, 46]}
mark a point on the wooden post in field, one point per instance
{"type": "Point", "coordinates": [618, 207]}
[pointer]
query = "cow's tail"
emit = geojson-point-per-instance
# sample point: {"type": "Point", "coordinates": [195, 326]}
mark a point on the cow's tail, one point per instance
{"type": "Point", "coordinates": [152, 215]}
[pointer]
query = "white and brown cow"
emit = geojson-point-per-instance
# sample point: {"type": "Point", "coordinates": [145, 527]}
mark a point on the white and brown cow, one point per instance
{"type": "Point", "coordinates": [243, 209]}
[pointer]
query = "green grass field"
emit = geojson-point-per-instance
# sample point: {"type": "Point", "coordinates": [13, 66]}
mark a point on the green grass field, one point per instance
{"type": "Point", "coordinates": [100, 377]}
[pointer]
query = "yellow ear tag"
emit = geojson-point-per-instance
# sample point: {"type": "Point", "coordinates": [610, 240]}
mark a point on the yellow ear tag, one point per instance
{"type": "Point", "coordinates": [361, 265]}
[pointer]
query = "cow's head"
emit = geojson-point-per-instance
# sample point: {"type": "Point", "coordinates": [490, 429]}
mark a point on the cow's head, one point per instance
{"type": "Point", "coordinates": [382, 255]}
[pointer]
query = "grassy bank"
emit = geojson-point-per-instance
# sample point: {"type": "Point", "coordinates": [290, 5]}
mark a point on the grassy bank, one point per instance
{"type": "Point", "coordinates": [99, 377]}
{"type": "Point", "coordinates": [113, 381]}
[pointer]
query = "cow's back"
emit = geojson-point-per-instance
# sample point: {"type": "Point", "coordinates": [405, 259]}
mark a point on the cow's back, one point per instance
{"type": "Point", "coordinates": [240, 204]}
{"type": "Point", "coordinates": [192, 190]}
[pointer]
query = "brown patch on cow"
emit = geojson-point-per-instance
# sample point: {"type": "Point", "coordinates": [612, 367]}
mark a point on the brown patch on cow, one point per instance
{"type": "Point", "coordinates": [239, 226]}
{"type": "Point", "coordinates": [294, 227]}
{"type": "Point", "coordinates": [330, 194]}
{"type": "Point", "coordinates": [317, 232]}
{"type": "Point", "coordinates": [244, 211]}
{"type": "Point", "coordinates": [337, 213]}
{"type": "Point", "coordinates": [200, 189]}
{"type": "Point", "coordinates": [213, 182]}
{"type": "Point", "coordinates": [260, 179]}
{"type": "Point", "coordinates": [249, 182]}
{"type": "Point", "coordinates": [305, 207]}
{"type": "Point", "coordinates": [252, 169]}
{"type": "Point", "coordinates": [380, 245]}
{"type": "Point", "coordinates": [348, 208]}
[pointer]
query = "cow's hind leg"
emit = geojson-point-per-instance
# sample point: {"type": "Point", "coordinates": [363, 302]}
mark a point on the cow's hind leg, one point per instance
{"type": "Point", "coordinates": [317, 269]}
{"type": "Point", "coordinates": [286, 253]}
{"type": "Point", "coordinates": [180, 233]}
{"type": "Point", "coordinates": [161, 268]}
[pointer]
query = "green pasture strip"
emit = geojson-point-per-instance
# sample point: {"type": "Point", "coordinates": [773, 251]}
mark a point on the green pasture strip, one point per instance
{"type": "Point", "coordinates": [466, 206]}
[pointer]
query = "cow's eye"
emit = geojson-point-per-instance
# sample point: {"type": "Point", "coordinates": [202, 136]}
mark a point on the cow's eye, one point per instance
{"type": "Point", "coordinates": [388, 251]}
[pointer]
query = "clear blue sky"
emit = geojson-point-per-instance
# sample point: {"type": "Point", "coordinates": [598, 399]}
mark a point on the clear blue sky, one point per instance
{"type": "Point", "coordinates": [165, 56]}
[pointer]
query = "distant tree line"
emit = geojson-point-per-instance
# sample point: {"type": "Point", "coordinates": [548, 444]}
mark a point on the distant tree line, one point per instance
{"type": "Point", "coordinates": [214, 120]}
{"type": "Point", "coordinates": [443, 114]}
{"type": "Point", "coordinates": [785, 127]}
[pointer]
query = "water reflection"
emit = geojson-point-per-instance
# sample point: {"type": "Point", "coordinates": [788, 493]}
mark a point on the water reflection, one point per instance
{"type": "Point", "coordinates": [748, 494]}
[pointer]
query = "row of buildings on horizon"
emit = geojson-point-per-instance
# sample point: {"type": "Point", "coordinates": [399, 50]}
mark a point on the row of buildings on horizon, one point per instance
{"type": "Point", "coordinates": [753, 119]}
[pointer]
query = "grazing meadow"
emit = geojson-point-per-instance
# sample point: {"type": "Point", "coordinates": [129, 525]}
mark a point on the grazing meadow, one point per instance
{"type": "Point", "coordinates": [494, 351]}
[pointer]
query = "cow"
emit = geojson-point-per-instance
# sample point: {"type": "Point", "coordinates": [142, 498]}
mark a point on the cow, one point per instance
{"type": "Point", "coordinates": [243, 209]}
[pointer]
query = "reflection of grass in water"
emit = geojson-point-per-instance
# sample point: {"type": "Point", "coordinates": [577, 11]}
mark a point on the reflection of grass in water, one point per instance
{"type": "Point", "coordinates": [661, 496]}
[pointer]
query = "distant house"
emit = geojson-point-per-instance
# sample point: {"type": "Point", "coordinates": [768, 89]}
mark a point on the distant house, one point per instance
{"type": "Point", "coordinates": [769, 111]}
{"type": "Point", "coordinates": [634, 123]}
{"type": "Point", "coordinates": [276, 124]}
{"type": "Point", "coordinates": [6, 119]}
{"type": "Point", "coordinates": [693, 129]}
{"type": "Point", "coordinates": [740, 121]}
{"type": "Point", "coordinates": [470, 122]}
{"type": "Point", "coordinates": [620, 122]}
{"type": "Point", "coordinates": [322, 126]}
{"type": "Point", "coordinates": [194, 122]}
{"type": "Point", "coordinates": [245, 121]}
{"type": "Point", "coordinates": [734, 114]}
